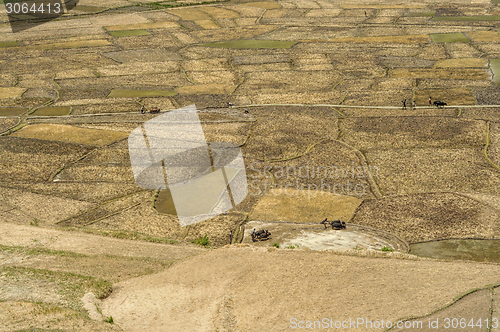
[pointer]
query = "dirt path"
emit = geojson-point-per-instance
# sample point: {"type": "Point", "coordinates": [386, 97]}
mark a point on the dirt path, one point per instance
{"type": "Point", "coordinates": [260, 289]}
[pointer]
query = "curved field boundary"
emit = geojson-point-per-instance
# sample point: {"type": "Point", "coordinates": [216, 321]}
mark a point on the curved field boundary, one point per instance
{"type": "Point", "coordinates": [479, 201]}
{"type": "Point", "coordinates": [13, 128]}
{"type": "Point", "coordinates": [398, 243]}
{"type": "Point", "coordinates": [455, 300]}
{"type": "Point", "coordinates": [362, 159]}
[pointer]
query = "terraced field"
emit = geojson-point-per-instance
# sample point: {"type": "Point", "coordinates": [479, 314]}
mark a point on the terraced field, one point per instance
{"type": "Point", "coordinates": [331, 105]}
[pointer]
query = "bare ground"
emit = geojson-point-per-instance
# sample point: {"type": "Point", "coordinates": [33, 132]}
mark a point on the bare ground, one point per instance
{"type": "Point", "coordinates": [254, 289]}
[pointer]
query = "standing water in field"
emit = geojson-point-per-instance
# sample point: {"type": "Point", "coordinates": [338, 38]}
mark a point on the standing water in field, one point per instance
{"type": "Point", "coordinates": [476, 250]}
{"type": "Point", "coordinates": [495, 68]}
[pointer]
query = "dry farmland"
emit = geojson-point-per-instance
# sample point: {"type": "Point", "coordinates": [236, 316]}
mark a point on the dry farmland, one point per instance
{"type": "Point", "coordinates": [331, 104]}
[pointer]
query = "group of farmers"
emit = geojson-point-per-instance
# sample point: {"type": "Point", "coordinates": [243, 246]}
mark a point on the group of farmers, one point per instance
{"type": "Point", "coordinates": [437, 103]}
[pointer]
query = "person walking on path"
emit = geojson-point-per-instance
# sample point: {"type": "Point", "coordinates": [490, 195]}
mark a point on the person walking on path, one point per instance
{"type": "Point", "coordinates": [230, 237]}
{"type": "Point", "coordinates": [430, 101]}
{"type": "Point", "coordinates": [413, 104]}
{"type": "Point", "coordinates": [404, 103]}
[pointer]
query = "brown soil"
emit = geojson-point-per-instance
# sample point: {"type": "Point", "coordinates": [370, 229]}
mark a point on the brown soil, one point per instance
{"type": "Point", "coordinates": [252, 289]}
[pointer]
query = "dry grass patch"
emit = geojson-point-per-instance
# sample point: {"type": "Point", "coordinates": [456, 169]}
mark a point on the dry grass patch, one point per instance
{"type": "Point", "coordinates": [107, 209]}
{"type": "Point", "coordinates": [431, 52]}
{"type": "Point", "coordinates": [206, 89]}
{"type": "Point", "coordinates": [304, 206]}
{"type": "Point", "coordinates": [76, 73]}
{"type": "Point", "coordinates": [397, 84]}
{"type": "Point", "coordinates": [32, 316]}
{"type": "Point", "coordinates": [143, 55]}
{"type": "Point", "coordinates": [463, 50]}
{"type": "Point", "coordinates": [214, 64]}
{"type": "Point", "coordinates": [408, 39]}
{"type": "Point", "coordinates": [377, 98]}
{"type": "Point", "coordinates": [259, 59]}
{"type": "Point", "coordinates": [161, 39]}
{"type": "Point", "coordinates": [320, 97]}
{"type": "Point", "coordinates": [6, 124]}
{"type": "Point", "coordinates": [141, 68]}
{"type": "Point", "coordinates": [399, 112]}
{"type": "Point", "coordinates": [438, 73]}
{"type": "Point", "coordinates": [218, 12]}
{"type": "Point", "coordinates": [146, 220]}
{"type": "Point", "coordinates": [250, 44]}
{"type": "Point", "coordinates": [204, 77]}
{"type": "Point", "coordinates": [74, 44]}
{"type": "Point", "coordinates": [45, 208]}
{"type": "Point", "coordinates": [484, 36]}
{"type": "Point", "coordinates": [419, 14]}
{"type": "Point", "coordinates": [121, 93]}
{"type": "Point", "coordinates": [289, 81]}
{"type": "Point", "coordinates": [225, 34]}
{"type": "Point", "coordinates": [288, 131]}
{"type": "Point", "coordinates": [384, 6]}
{"type": "Point", "coordinates": [330, 167]}
{"type": "Point", "coordinates": [426, 217]}
{"type": "Point", "coordinates": [47, 286]}
{"type": "Point", "coordinates": [95, 192]}
{"type": "Point", "coordinates": [324, 12]}
{"type": "Point", "coordinates": [410, 132]}
{"type": "Point", "coordinates": [11, 92]}
{"type": "Point", "coordinates": [129, 33]}
{"type": "Point", "coordinates": [70, 134]}
{"type": "Point", "coordinates": [99, 108]}
{"type": "Point", "coordinates": [462, 63]}
{"type": "Point", "coordinates": [431, 170]}
{"type": "Point", "coordinates": [25, 151]}
{"type": "Point", "coordinates": [144, 26]}
{"type": "Point", "coordinates": [439, 84]}
{"type": "Point", "coordinates": [52, 111]}
{"type": "Point", "coordinates": [263, 5]}
{"type": "Point", "coordinates": [207, 24]}
{"type": "Point", "coordinates": [467, 18]}
{"type": "Point", "coordinates": [22, 173]}
{"type": "Point", "coordinates": [190, 14]}
{"type": "Point", "coordinates": [494, 148]}
{"type": "Point", "coordinates": [99, 173]}
{"type": "Point", "coordinates": [112, 268]}
{"type": "Point", "coordinates": [108, 156]}
{"type": "Point", "coordinates": [408, 62]}
{"type": "Point", "coordinates": [89, 9]}
{"type": "Point", "coordinates": [235, 133]}
{"type": "Point", "coordinates": [450, 96]}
